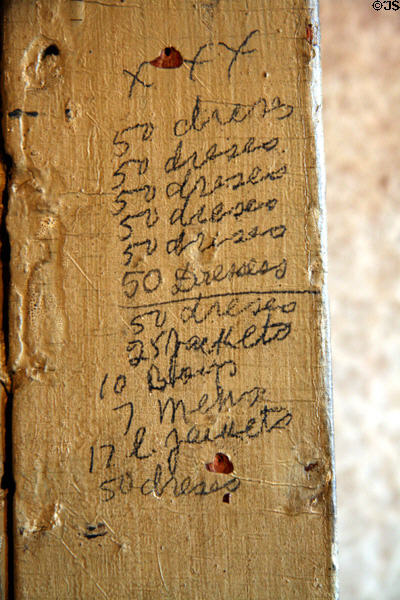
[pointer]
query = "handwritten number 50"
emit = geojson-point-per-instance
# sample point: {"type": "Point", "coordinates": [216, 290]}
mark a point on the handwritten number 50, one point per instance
{"type": "Point", "coordinates": [151, 281]}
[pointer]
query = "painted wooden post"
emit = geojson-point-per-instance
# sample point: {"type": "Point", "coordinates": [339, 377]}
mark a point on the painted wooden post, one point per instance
{"type": "Point", "coordinates": [168, 337]}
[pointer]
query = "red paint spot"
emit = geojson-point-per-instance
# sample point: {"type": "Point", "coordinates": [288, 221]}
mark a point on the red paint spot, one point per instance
{"type": "Point", "coordinates": [221, 464]}
{"type": "Point", "coordinates": [226, 498]}
{"type": "Point", "coordinates": [170, 58]}
{"type": "Point", "coordinates": [309, 33]}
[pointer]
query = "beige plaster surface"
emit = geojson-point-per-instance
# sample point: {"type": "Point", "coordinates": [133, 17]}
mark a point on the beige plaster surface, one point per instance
{"type": "Point", "coordinates": [361, 86]}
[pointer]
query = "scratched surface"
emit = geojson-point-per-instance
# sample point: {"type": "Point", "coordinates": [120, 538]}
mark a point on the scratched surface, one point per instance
{"type": "Point", "coordinates": [168, 348]}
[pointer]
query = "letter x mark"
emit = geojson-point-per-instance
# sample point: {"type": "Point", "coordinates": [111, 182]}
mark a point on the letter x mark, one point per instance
{"type": "Point", "coordinates": [135, 78]}
{"type": "Point", "coordinates": [240, 51]}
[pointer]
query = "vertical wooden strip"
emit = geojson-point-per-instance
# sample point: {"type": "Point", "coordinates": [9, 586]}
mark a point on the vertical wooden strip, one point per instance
{"type": "Point", "coordinates": [4, 387]}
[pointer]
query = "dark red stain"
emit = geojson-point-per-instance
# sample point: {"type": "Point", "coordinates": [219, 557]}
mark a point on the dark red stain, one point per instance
{"type": "Point", "coordinates": [310, 467]}
{"type": "Point", "coordinates": [309, 33]}
{"type": "Point", "coordinates": [221, 464]}
{"type": "Point", "coordinates": [170, 58]}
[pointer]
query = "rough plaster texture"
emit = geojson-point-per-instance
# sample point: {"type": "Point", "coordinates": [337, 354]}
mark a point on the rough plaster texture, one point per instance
{"type": "Point", "coordinates": [361, 85]}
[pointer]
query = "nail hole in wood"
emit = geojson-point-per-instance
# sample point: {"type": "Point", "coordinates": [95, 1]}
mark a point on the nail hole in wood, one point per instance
{"type": "Point", "coordinates": [310, 467]}
{"type": "Point", "coordinates": [170, 58]}
{"type": "Point", "coordinates": [220, 464]}
{"type": "Point", "coordinates": [51, 50]}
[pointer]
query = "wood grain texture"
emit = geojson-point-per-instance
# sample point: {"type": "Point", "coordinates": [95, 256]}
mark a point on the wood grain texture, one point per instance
{"type": "Point", "coordinates": [167, 295]}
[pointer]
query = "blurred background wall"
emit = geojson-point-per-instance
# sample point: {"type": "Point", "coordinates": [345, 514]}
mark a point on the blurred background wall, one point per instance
{"type": "Point", "coordinates": [361, 89]}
